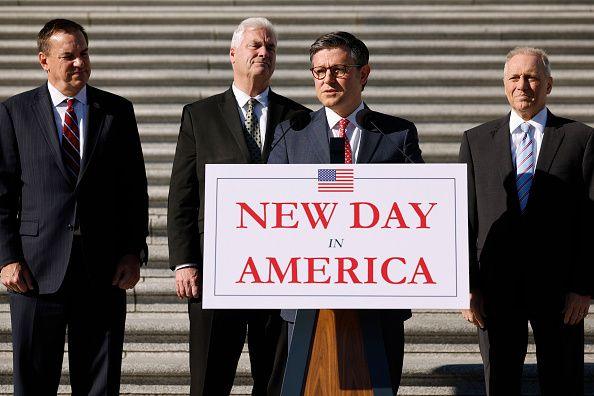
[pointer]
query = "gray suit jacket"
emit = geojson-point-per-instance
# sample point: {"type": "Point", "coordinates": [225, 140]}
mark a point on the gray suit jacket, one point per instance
{"type": "Point", "coordinates": [306, 141]}
{"type": "Point", "coordinates": [41, 206]}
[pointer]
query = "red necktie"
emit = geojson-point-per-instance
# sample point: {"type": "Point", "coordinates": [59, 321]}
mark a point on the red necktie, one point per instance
{"type": "Point", "coordinates": [348, 154]}
{"type": "Point", "coordinates": [71, 140]}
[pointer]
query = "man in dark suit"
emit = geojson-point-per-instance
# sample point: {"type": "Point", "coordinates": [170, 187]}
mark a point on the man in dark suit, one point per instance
{"type": "Point", "coordinates": [73, 220]}
{"type": "Point", "coordinates": [234, 127]}
{"type": "Point", "coordinates": [340, 69]}
{"type": "Point", "coordinates": [531, 197]}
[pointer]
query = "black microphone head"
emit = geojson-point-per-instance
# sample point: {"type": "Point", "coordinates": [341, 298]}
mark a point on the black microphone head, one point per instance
{"type": "Point", "coordinates": [300, 120]}
{"type": "Point", "coordinates": [364, 118]}
{"type": "Point", "coordinates": [337, 150]}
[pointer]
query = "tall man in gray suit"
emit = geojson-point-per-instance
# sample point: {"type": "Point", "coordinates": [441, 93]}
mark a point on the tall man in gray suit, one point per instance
{"type": "Point", "coordinates": [531, 215]}
{"type": "Point", "coordinates": [73, 220]}
{"type": "Point", "coordinates": [234, 127]}
{"type": "Point", "coordinates": [340, 68]}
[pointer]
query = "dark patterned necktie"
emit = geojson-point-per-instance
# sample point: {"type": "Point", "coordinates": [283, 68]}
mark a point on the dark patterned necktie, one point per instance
{"type": "Point", "coordinates": [251, 122]}
{"type": "Point", "coordinates": [71, 140]}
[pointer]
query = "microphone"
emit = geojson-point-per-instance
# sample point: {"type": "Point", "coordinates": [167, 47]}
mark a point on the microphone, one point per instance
{"type": "Point", "coordinates": [296, 123]}
{"type": "Point", "coordinates": [337, 150]}
{"type": "Point", "coordinates": [368, 119]}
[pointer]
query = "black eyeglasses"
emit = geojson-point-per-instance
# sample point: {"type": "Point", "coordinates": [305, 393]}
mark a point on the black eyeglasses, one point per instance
{"type": "Point", "coordinates": [336, 71]}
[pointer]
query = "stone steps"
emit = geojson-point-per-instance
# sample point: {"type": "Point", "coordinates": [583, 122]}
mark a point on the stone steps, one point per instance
{"type": "Point", "coordinates": [300, 61]}
{"type": "Point", "coordinates": [148, 367]}
{"type": "Point", "coordinates": [440, 327]}
{"type": "Point", "coordinates": [441, 354]}
{"type": "Point", "coordinates": [434, 4]}
{"type": "Point", "coordinates": [290, 46]}
{"type": "Point", "coordinates": [282, 15]}
{"type": "Point", "coordinates": [304, 31]}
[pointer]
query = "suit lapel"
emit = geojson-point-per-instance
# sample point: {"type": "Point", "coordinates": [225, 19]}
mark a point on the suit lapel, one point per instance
{"type": "Point", "coordinates": [230, 113]}
{"type": "Point", "coordinates": [553, 136]}
{"type": "Point", "coordinates": [95, 126]}
{"type": "Point", "coordinates": [44, 114]}
{"type": "Point", "coordinates": [317, 133]}
{"type": "Point", "coordinates": [367, 146]}
{"type": "Point", "coordinates": [502, 151]}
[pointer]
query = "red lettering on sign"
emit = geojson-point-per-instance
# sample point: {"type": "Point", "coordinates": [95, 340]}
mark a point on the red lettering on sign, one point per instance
{"type": "Point", "coordinates": [357, 214]}
{"type": "Point", "coordinates": [422, 270]}
{"type": "Point", "coordinates": [246, 208]}
{"type": "Point", "coordinates": [422, 216]}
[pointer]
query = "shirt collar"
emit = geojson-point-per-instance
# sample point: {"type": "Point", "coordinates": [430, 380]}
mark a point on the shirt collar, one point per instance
{"type": "Point", "coordinates": [333, 118]}
{"type": "Point", "coordinates": [242, 98]}
{"type": "Point", "coordinates": [538, 121]}
{"type": "Point", "coordinates": [58, 97]}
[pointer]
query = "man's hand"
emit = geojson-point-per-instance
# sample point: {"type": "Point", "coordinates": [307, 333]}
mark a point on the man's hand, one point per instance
{"type": "Point", "coordinates": [476, 313]}
{"type": "Point", "coordinates": [127, 272]}
{"type": "Point", "coordinates": [576, 308]}
{"type": "Point", "coordinates": [17, 277]}
{"type": "Point", "coordinates": [187, 282]}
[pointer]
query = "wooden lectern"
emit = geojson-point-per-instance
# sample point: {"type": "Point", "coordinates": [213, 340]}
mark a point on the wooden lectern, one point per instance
{"type": "Point", "coordinates": [337, 353]}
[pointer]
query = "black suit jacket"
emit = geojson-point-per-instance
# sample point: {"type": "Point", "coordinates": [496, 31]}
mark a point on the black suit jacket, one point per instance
{"type": "Point", "coordinates": [41, 206]}
{"type": "Point", "coordinates": [211, 132]}
{"type": "Point", "coordinates": [307, 142]}
{"type": "Point", "coordinates": [541, 255]}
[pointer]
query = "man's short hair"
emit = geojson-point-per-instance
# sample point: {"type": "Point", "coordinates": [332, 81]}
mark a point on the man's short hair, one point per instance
{"type": "Point", "coordinates": [348, 42]}
{"type": "Point", "coordinates": [251, 23]}
{"type": "Point", "coordinates": [54, 26]}
{"type": "Point", "coordinates": [544, 57]}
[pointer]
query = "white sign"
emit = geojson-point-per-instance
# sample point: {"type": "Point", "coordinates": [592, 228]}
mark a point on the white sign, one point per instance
{"type": "Point", "coordinates": [336, 236]}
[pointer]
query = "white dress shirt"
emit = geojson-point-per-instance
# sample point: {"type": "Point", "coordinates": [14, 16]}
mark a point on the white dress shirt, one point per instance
{"type": "Point", "coordinates": [353, 130]}
{"type": "Point", "coordinates": [260, 109]}
{"type": "Point", "coordinates": [538, 123]}
{"type": "Point", "coordinates": [80, 108]}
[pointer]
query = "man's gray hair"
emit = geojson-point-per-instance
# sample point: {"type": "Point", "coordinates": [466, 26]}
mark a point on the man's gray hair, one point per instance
{"type": "Point", "coordinates": [251, 23]}
{"type": "Point", "coordinates": [544, 57]}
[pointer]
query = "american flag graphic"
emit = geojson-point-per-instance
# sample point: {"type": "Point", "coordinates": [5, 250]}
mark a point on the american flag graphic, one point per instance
{"type": "Point", "coordinates": [336, 180]}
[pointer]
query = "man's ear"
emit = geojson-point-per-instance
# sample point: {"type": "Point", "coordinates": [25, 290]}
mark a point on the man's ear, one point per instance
{"type": "Point", "coordinates": [365, 70]}
{"type": "Point", "coordinates": [232, 55]}
{"type": "Point", "coordinates": [43, 61]}
{"type": "Point", "coordinates": [549, 85]}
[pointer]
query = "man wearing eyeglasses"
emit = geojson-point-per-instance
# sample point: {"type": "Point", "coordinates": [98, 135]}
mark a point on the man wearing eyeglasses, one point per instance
{"type": "Point", "coordinates": [340, 69]}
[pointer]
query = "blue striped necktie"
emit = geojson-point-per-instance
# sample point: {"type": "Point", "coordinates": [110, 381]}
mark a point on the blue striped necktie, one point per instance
{"type": "Point", "coordinates": [524, 165]}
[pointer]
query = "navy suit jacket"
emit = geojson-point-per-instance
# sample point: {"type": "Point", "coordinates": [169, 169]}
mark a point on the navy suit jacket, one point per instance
{"type": "Point", "coordinates": [306, 141]}
{"type": "Point", "coordinates": [42, 206]}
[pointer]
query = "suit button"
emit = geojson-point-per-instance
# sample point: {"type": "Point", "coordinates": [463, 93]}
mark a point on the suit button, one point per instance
{"type": "Point", "coordinates": [70, 227]}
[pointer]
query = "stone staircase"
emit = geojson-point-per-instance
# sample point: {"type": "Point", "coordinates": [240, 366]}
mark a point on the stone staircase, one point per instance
{"type": "Point", "coordinates": [436, 62]}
